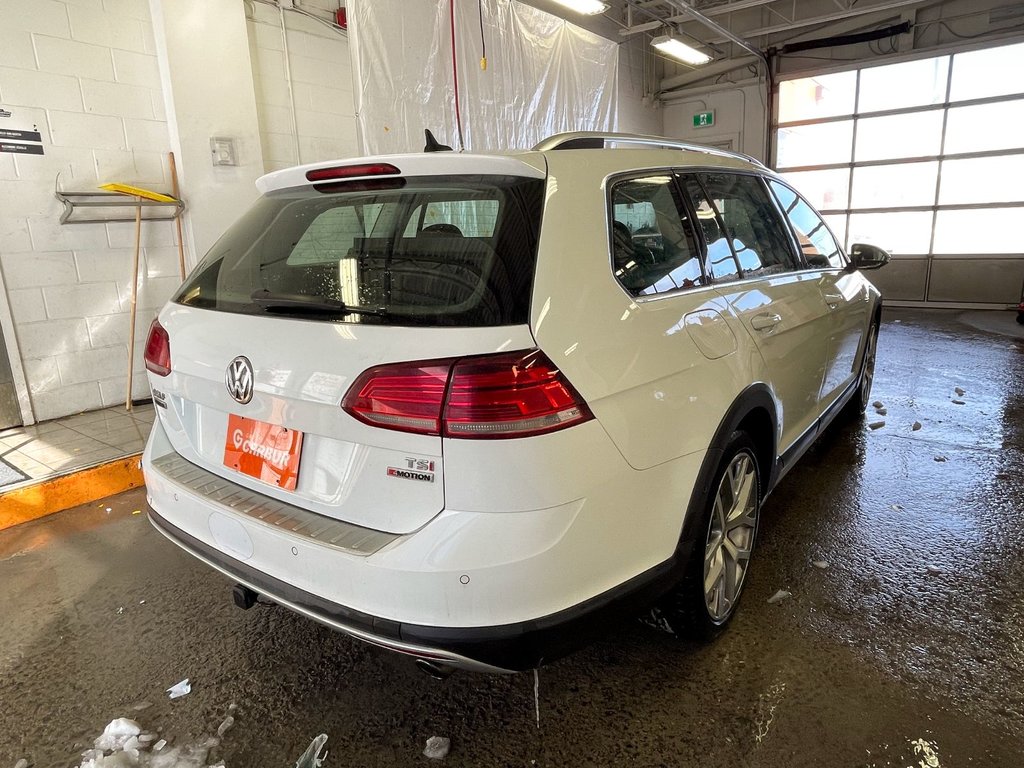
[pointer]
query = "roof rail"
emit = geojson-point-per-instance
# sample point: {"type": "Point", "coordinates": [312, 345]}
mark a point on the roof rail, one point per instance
{"type": "Point", "coordinates": [600, 139]}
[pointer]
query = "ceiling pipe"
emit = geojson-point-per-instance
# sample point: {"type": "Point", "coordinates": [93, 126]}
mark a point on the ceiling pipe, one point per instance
{"type": "Point", "coordinates": [743, 5]}
{"type": "Point", "coordinates": [717, 10]}
{"type": "Point", "coordinates": [703, 73]}
{"type": "Point", "coordinates": [826, 19]}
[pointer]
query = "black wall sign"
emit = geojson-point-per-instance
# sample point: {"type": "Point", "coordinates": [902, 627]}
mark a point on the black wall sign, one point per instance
{"type": "Point", "coordinates": [16, 147]}
{"type": "Point", "coordinates": [6, 133]}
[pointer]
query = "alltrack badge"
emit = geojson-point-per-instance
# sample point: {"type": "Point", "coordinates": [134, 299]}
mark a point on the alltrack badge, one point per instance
{"type": "Point", "coordinates": [239, 379]}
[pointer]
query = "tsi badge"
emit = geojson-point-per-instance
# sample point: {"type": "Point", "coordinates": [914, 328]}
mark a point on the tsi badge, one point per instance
{"type": "Point", "coordinates": [414, 469]}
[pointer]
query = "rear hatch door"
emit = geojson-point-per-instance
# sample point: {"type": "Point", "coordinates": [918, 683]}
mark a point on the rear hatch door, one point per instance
{"type": "Point", "coordinates": [314, 286]}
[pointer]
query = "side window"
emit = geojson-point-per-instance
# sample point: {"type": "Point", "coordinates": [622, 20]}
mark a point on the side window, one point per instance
{"type": "Point", "coordinates": [652, 240]}
{"type": "Point", "coordinates": [721, 261]}
{"type": "Point", "coordinates": [752, 223]}
{"type": "Point", "coordinates": [820, 249]}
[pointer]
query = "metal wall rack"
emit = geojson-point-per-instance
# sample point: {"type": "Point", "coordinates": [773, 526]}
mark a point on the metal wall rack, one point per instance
{"type": "Point", "coordinates": [85, 207]}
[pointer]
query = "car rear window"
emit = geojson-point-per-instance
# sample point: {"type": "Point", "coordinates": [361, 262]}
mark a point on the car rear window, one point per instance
{"type": "Point", "coordinates": [435, 251]}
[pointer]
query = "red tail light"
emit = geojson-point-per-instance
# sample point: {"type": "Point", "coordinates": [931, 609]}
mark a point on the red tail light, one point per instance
{"type": "Point", "coordinates": [158, 350]}
{"type": "Point", "coordinates": [407, 396]}
{"type": "Point", "coordinates": [509, 395]}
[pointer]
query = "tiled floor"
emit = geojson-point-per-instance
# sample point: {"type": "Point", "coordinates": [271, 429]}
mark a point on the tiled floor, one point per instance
{"type": "Point", "coordinates": [76, 442]}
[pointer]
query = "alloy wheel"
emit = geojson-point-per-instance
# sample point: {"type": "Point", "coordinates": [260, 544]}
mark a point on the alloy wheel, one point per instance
{"type": "Point", "coordinates": [869, 368]}
{"type": "Point", "coordinates": [730, 536]}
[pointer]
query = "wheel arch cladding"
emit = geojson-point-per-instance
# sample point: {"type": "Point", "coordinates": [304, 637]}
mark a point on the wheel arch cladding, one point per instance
{"type": "Point", "coordinates": [759, 425]}
{"type": "Point", "coordinates": [753, 409]}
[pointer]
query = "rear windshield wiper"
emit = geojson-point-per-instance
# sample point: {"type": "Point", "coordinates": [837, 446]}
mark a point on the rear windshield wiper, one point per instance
{"type": "Point", "coordinates": [302, 302]}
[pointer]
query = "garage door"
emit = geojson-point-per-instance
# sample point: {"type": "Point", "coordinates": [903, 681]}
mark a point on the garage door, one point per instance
{"type": "Point", "coordinates": [925, 158]}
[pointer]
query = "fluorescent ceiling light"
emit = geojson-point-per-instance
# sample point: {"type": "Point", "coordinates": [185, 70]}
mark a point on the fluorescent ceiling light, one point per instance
{"type": "Point", "coordinates": [589, 7]}
{"type": "Point", "coordinates": [677, 49]}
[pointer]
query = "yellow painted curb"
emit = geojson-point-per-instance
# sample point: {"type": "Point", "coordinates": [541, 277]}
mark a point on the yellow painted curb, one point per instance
{"type": "Point", "coordinates": [56, 494]}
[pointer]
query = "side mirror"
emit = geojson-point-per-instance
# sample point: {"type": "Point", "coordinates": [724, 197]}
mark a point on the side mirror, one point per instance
{"type": "Point", "coordinates": [866, 256]}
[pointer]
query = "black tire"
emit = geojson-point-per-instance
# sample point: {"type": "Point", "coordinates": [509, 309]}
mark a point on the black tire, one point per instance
{"type": "Point", "coordinates": [858, 404]}
{"type": "Point", "coordinates": [687, 609]}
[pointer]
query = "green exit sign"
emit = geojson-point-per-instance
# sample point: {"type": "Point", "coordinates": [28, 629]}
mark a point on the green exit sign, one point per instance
{"type": "Point", "coordinates": [703, 119]}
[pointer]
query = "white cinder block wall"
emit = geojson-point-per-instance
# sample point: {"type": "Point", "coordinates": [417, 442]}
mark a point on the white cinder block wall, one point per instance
{"type": "Point", "coordinates": [321, 71]}
{"type": "Point", "coordinates": [85, 74]}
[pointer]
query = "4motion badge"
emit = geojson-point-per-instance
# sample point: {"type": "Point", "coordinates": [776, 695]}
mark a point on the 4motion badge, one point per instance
{"type": "Point", "coordinates": [414, 469]}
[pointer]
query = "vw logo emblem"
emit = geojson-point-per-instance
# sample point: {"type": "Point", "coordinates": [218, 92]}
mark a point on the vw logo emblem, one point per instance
{"type": "Point", "coordinates": [238, 379]}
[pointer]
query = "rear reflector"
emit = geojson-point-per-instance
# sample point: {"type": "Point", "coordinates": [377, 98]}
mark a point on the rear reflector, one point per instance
{"type": "Point", "coordinates": [158, 350]}
{"type": "Point", "coordinates": [516, 394]}
{"type": "Point", "coordinates": [351, 171]}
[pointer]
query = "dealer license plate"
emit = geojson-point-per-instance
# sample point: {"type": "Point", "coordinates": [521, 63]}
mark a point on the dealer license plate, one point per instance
{"type": "Point", "coordinates": [268, 452]}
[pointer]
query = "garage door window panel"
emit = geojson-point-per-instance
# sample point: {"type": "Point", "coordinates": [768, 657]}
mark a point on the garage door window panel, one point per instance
{"type": "Point", "coordinates": [903, 233]}
{"type": "Point", "coordinates": [972, 73]}
{"type": "Point", "coordinates": [653, 244]}
{"type": "Point", "coordinates": [818, 144]}
{"type": "Point", "coordinates": [894, 186]}
{"type": "Point", "coordinates": [983, 180]}
{"type": "Point", "coordinates": [818, 96]}
{"type": "Point", "coordinates": [985, 127]}
{"type": "Point", "coordinates": [985, 230]}
{"type": "Point", "coordinates": [916, 134]}
{"type": "Point", "coordinates": [906, 84]}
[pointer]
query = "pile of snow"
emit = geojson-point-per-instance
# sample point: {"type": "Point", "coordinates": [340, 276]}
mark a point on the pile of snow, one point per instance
{"type": "Point", "coordinates": [123, 744]}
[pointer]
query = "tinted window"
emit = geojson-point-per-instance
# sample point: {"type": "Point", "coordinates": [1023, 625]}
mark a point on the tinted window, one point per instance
{"type": "Point", "coordinates": [424, 251]}
{"type": "Point", "coordinates": [820, 249]}
{"type": "Point", "coordinates": [653, 245]}
{"type": "Point", "coordinates": [473, 218]}
{"type": "Point", "coordinates": [755, 230]}
{"type": "Point", "coordinates": [721, 261]}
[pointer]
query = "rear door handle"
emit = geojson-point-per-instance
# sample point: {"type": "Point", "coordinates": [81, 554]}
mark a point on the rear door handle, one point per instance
{"type": "Point", "coordinates": [834, 299]}
{"type": "Point", "coordinates": [765, 322]}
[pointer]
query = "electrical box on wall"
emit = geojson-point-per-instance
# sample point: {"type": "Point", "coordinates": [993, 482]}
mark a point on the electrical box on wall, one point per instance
{"type": "Point", "coordinates": [223, 151]}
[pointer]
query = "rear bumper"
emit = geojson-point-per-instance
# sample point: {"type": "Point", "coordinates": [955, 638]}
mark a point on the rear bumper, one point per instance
{"type": "Point", "coordinates": [496, 649]}
{"type": "Point", "coordinates": [481, 589]}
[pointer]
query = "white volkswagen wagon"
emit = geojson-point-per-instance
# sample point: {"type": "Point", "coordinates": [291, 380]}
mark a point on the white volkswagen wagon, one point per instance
{"type": "Point", "coordinates": [469, 407]}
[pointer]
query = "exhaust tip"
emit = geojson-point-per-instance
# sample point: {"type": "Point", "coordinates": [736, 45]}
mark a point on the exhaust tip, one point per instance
{"type": "Point", "coordinates": [434, 669]}
{"type": "Point", "coordinates": [244, 597]}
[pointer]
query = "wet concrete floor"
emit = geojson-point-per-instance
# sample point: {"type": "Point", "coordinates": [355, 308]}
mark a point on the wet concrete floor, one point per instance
{"type": "Point", "coordinates": [908, 649]}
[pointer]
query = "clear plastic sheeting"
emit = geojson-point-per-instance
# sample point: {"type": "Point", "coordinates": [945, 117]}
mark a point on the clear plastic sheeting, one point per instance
{"type": "Point", "coordinates": [544, 75]}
